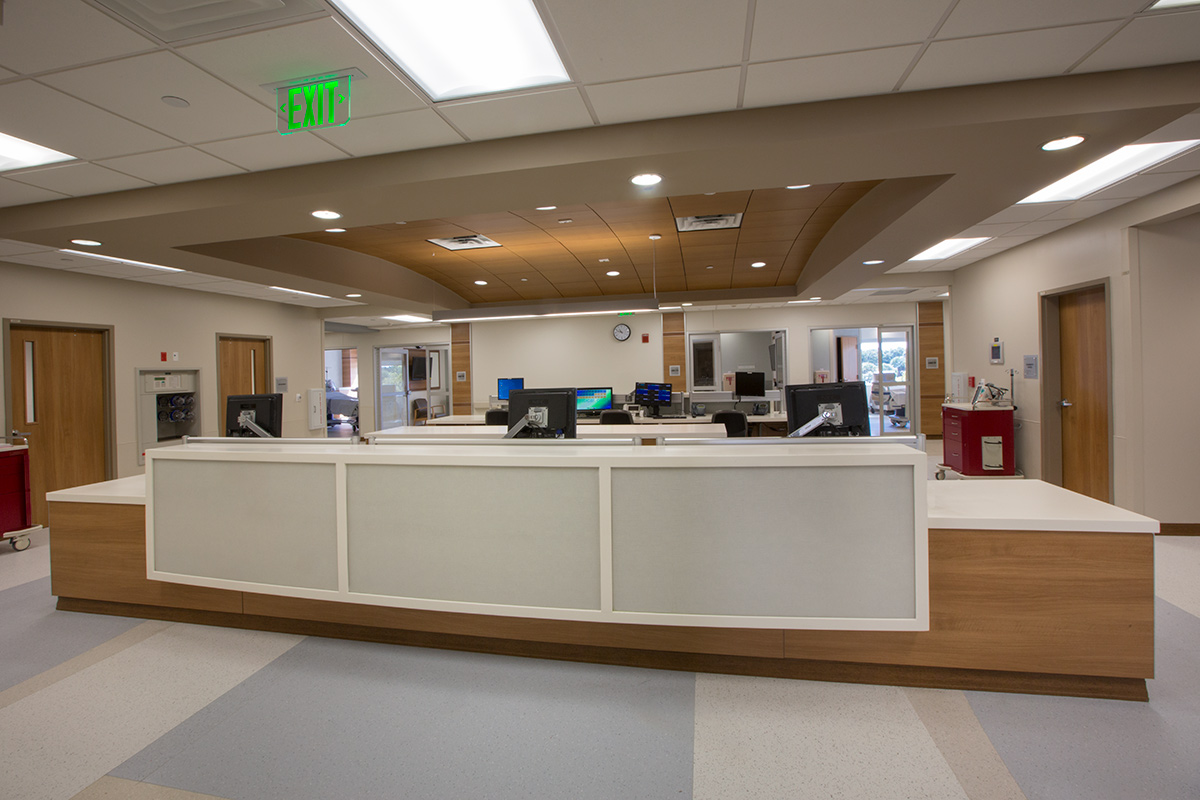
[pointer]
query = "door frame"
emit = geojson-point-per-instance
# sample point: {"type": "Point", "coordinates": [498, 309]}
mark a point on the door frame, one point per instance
{"type": "Point", "coordinates": [108, 345]}
{"type": "Point", "coordinates": [1050, 334]}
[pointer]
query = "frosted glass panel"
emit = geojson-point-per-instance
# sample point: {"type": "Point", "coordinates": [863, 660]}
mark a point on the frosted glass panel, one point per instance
{"type": "Point", "coordinates": [761, 541]}
{"type": "Point", "coordinates": [504, 535]}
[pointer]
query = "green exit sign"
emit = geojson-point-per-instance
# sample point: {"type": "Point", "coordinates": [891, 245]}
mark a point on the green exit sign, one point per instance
{"type": "Point", "coordinates": [320, 103]}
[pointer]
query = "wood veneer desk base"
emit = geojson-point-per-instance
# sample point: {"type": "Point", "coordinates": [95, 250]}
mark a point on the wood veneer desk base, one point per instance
{"type": "Point", "coordinates": [1065, 613]}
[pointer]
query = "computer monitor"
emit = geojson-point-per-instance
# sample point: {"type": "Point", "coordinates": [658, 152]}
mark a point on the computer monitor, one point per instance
{"type": "Point", "coordinates": [506, 385]}
{"type": "Point", "coordinates": [541, 414]}
{"type": "Point", "coordinates": [262, 411]}
{"type": "Point", "coordinates": [749, 384]}
{"type": "Point", "coordinates": [652, 395]}
{"type": "Point", "coordinates": [593, 399]}
{"type": "Point", "coordinates": [846, 402]}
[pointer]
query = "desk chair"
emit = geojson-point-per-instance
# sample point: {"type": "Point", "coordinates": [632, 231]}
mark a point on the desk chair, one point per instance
{"type": "Point", "coordinates": [420, 411]}
{"type": "Point", "coordinates": [495, 416]}
{"type": "Point", "coordinates": [734, 421]}
{"type": "Point", "coordinates": [616, 416]}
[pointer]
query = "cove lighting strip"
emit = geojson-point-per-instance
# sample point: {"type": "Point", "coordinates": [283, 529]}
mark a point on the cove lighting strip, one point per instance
{"type": "Point", "coordinates": [1114, 167]}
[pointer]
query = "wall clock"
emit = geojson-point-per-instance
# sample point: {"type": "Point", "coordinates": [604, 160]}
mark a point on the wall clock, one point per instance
{"type": "Point", "coordinates": [621, 332]}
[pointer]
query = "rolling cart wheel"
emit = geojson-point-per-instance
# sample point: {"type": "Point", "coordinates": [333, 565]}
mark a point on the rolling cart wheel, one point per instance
{"type": "Point", "coordinates": [940, 475]}
{"type": "Point", "coordinates": [20, 543]}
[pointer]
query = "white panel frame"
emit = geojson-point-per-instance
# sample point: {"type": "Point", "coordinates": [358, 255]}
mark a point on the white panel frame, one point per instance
{"type": "Point", "coordinates": [601, 460]}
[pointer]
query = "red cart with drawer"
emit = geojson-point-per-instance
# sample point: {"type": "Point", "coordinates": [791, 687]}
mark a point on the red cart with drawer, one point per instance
{"type": "Point", "coordinates": [977, 440]}
{"type": "Point", "coordinates": [16, 512]}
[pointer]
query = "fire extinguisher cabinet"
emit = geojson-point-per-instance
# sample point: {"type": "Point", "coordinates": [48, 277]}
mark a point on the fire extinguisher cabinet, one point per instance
{"type": "Point", "coordinates": [978, 440]}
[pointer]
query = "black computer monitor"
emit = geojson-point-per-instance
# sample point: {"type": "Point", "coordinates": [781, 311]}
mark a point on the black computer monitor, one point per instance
{"type": "Point", "coordinates": [548, 413]}
{"type": "Point", "coordinates": [264, 410]}
{"type": "Point", "coordinates": [806, 402]}
{"type": "Point", "coordinates": [593, 399]}
{"type": "Point", "coordinates": [506, 385]}
{"type": "Point", "coordinates": [652, 395]}
{"type": "Point", "coordinates": [749, 384]}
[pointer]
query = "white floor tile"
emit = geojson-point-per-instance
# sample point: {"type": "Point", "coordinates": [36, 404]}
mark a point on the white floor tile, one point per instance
{"type": "Point", "coordinates": [767, 738]}
{"type": "Point", "coordinates": [1176, 565]}
{"type": "Point", "coordinates": [68, 735]}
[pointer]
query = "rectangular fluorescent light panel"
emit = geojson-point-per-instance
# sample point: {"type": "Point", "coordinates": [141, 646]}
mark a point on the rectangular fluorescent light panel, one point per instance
{"type": "Point", "coordinates": [1172, 4]}
{"type": "Point", "coordinates": [115, 260]}
{"type": "Point", "coordinates": [461, 48]}
{"type": "Point", "coordinates": [409, 318]}
{"type": "Point", "coordinates": [17, 154]}
{"type": "Point", "coordinates": [947, 248]}
{"type": "Point", "coordinates": [1114, 167]}
{"type": "Point", "coordinates": [297, 291]}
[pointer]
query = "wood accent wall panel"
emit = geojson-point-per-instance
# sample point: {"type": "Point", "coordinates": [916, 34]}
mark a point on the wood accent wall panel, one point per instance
{"type": "Point", "coordinates": [1064, 602]}
{"type": "Point", "coordinates": [98, 552]}
{"type": "Point", "coordinates": [931, 343]}
{"type": "Point", "coordinates": [460, 361]}
{"type": "Point", "coordinates": [674, 350]}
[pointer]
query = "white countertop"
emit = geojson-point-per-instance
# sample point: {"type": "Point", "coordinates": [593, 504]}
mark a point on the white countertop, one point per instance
{"type": "Point", "coordinates": [127, 491]}
{"type": "Point", "coordinates": [1026, 505]}
{"type": "Point", "coordinates": [698, 430]}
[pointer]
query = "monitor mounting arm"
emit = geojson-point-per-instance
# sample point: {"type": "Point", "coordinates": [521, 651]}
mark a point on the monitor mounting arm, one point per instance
{"type": "Point", "coordinates": [830, 414]}
{"type": "Point", "coordinates": [247, 423]}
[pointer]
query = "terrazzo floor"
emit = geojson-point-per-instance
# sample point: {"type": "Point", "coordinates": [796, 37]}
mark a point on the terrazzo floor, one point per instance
{"type": "Point", "coordinates": [99, 708]}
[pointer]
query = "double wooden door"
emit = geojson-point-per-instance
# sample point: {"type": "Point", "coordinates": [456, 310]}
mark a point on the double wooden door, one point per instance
{"type": "Point", "coordinates": [58, 397]}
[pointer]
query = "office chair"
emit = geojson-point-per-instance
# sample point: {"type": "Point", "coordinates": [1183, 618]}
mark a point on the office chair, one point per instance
{"type": "Point", "coordinates": [616, 416]}
{"type": "Point", "coordinates": [734, 421]}
{"type": "Point", "coordinates": [420, 409]}
{"type": "Point", "coordinates": [495, 416]}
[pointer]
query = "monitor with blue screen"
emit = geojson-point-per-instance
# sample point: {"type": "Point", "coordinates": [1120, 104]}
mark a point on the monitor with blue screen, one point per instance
{"type": "Point", "coordinates": [652, 395]}
{"type": "Point", "coordinates": [593, 399]}
{"type": "Point", "coordinates": [506, 385]}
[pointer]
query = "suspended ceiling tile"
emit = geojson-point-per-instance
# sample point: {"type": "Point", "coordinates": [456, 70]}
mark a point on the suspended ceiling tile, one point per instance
{"type": "Point", "coordinates": [53, 259]}
{"type": "Point", "coordinates": [273, 150]}
{"type": "Point", "coordinates": [1025, 212]}
{"type": "Point", "coordinates": [40, 35]}
{"type": "Point", "coordinates": [621, 39]}
{"type": "Point", "coordinates": [7, 73]}
{"type": "Point", "coordinates": [786, 28]}
{"type": "Point", "coordinates": [114, 270]}
{"type": "Point", "coordinates": [172, 166]}
{"type": "Point", "coordinates": [1188, 162]}
{"type": "Point", "coordinates": [1042, 227]}
{"type": "Point", "coordinates": [411, 130]}
{"type": "Point", "coordinates": [1186, 127]}
{"type": "Point", "coordinates": [300, 51]}
{"type": "Point", "coordinates": [667, 96]}
{"type": "Point", "coordinates": [189, 279]}
{"type": "Point", "coordinates": [13, 193]}
{"type": "Point", "coordinates": [1005, 56]}
{"type": "Point", "coordinates": [134, 88]}
{"type": "Point", "coordinates": [11, 247]}
{"type": "Point", "coordinates": [805, 80]}
{"type": "Point", "coordinates": [79, 179]}
{"type": "Point", "coordinates": [495, 118]}
{"type": "Point", "coordinates": [978, 17]}
{"type": "Point", "coordinates": [1155, 39]}
{"type": "Point", "coordinates": [989, 229]}
{"type": "Point", "coordinates": [69, 125]}
{"type": "Point", "coordinates": [1082, 209]}
{"type": "Point", "coordinates": [1140, 185]}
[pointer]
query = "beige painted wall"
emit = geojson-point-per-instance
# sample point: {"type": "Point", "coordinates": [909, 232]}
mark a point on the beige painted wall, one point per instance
{"type": "Point", "coordinates": [148, 319]}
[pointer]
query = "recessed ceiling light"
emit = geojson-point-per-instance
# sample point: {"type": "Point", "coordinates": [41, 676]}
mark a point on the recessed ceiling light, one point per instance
{"type": "Point", "coordinates": [326, 215]}
{"type": "Point", "coordinates": [86, 242]}
{"type": "Point", "coordinates": [710, 266]}
{"type": "Point", "coordinates": [604, 261]}
{"type": "Point", "coordinates": [947, 248]}
{"type": "Point", "coordinates": [116, 260]}
{"type": "Point", "coordinates": [800, 186]}
{"type": "Point", "coordinates": [685, 304]}
{"type": "Point", "coordinates": [814, 299]}
{"type": "Point", "coordinates": [17, 153]}
{"type": "Point", "coordinates": [1064, 143]}
{"type": "Point", "coordinates": [654, 237]}
{"type": "Point", "coordinates": [546, 208]}
{"type": "Point", "coordinates": [409, 318]}
{"type": "Point", "coordinates": [481, 283]}
{"type": "Point", "coordinates": [524, 280]}
{"type": "Point", "coordinates": [354, 295]}
{"type": "Point", "coordinates": [462, 49]}
{"type": "Point", "coordinates": [335, 230]}
{"type": "Point", "coordinates": [612, 273]}
{"type": "Point", "coordinates": [297, 291]}
{"type": "Point", "coordinates": [873, 262]}
{"type": "Point", "coordinates": [1116, 166]}
{"type": "Point", "coordinates": [758, 265]}
{"type": "Point", "coordinates": [565, 221]}
{"type": "Point", "coordinates": [174, 102]}
{"type": "Point", "coordinates": [646, 179]}
{"type": "Point", "coordinates": [944, 294]}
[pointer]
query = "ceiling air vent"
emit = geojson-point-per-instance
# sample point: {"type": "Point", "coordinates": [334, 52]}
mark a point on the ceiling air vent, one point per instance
{"type": "Point", "coordinates": [708, 222]}
{"type": "Point", "coordinates": [176, 20]}
{"type": "Point", "coordinates": [472, 242]}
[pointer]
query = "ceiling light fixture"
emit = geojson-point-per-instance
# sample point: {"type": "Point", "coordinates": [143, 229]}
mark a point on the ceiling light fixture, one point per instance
{"type": "Point", "coordinates": [546, 208]}
{"type": "Point", "coordinates": [801, 302]}
{"type": "Point", "coordinates": [947, 248]}
{"type": "Point", "coordinates": [800, 186]}
{"type": "Point", "coordinates": [612, 273]}
{"type": "Point", "coordinates": [354, 295]}
{"type": "Point", "coordinates": [410, 318]}
{"type": "Point", "coordinates": [1161, 4]}
{"type": "Point", "coordinates": [654, 237]}
{"type": "Point", "coordinates": [481, 283]}
{"type": "Point", "coordinates": [685, 305]}
{"type": "Point", "coordinates": [646, 179]}
{"type": "Point", "coordinates": [586, 309]}
{"type": "Point", "coordinates": [17, 154]}
{"type": "Point", "coordinates": [604, 261]}
{"type": "Point", "coordinates": [1064, 143]}
{"type": "Point", "coordinates": [326, 215]}
{"type": "Point", "coordinates": [335, 230]}
{"type": "Point", "coordinates": [297, 291]}
{"type": "Point", "coordinates": [128, 261]}
{"type": "Point", "coordinates": [462, 48]}
{"type": "Point", "coordinates": [758, 264]}
{"type": "Point", "coordinates": [873, 262]}
{"type": "Point", "coordinates": [565, 221]}
{"type": "Point", "coordinates": [86, 242]}
{"type": "Point", "coordinates": [1114, 167]}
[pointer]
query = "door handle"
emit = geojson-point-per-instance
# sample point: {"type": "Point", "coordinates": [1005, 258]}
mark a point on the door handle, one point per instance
{"type": "Point", "coordinates": [1065, 403]}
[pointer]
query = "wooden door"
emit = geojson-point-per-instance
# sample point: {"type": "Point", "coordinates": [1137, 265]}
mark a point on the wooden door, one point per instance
{"type": "Point", "coordinates": [244, 368]}
{"type": "Point", "coordinates": [847, 366]}
{"type": "Point", "coordinates": [1083, 363]}
{"type": "Point", "coordinates": [58, 397]}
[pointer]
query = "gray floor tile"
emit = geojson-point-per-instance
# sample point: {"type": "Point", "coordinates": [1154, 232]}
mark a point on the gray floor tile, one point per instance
{"type": "Point", "coordinates": [350, 719]}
